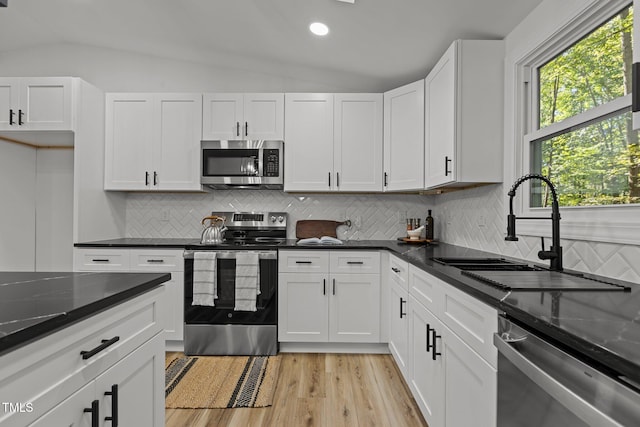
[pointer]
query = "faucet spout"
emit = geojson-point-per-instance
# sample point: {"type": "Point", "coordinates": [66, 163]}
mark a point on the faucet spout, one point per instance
{"type": "Point", "coordinates": [554, 254]}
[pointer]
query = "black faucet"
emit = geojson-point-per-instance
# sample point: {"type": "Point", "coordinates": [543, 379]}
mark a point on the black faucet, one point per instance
{"type": "Point", "coordinates": [555, 251]}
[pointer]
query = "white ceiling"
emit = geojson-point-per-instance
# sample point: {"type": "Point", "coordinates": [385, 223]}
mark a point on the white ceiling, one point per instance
{"type": "Point", "coordinates": [392, 41]}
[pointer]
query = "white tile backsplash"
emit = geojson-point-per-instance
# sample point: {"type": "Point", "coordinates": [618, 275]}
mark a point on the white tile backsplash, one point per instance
{"type": "Point", "coordinates": [458, 214]}
{"type": "Point", "coordinates": [473, 218]}
{"type": "Point", "coordinates": [373, 216]}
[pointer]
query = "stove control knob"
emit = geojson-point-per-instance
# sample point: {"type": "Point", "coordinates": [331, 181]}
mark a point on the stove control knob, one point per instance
{"type": "Point", "coordinates": [273, 218]}
{"type": "Point", "coordinates": [280, 218]}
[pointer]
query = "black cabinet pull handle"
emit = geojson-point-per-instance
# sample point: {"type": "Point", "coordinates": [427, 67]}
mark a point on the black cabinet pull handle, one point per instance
{"type": "Point", "coordinates": [237, 128]}
{"type": "Point", "coordinates": [385, 179]}
{"type": "Point", "coordinates": [395, 270]}
{"type": "Point", "coordinates": [246, 128]}
{"type": "Point", "coordinates": [100, 260]}
{"type": "Point", "coordinates": [303, 262]}
{"type": "Point", "coordinates": [337, 179]}
{"type": "Point", "coordinates": [146, 178]}
{"type": "Point", "coordinates": [334, 286]}
{"type": "Point", "coordinates": [429, 345]}
{"type": "Point", "coordinates": [95, 413]}
{"type": "Point", "coordinates": [20, 114]}
{"type": "Point", "coordinates": [324, 286]}
{"type": "Point", "coordinates": [355, 262]}
{"type": "Point", "coordinates": [105, 343]}
{"type": "Point", "coordinates": [155, 178]}
{"type": "Point", "coordinates": [447, 160]}
{"type": "Point", "coordinates": [155, 261]}
{"type": "Point", "coordinates": [114, 405]}
{"type": "Point", "coordinates": [435, 353]}
{"type": "Point", "coordinates": [329, 179]}
{"type": "Point", "coordinates": [402, 301]}
{"type": "Point", "coordinates": [11, 113]}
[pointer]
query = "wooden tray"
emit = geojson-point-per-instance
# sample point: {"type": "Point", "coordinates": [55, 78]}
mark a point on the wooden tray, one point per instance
{"type": "Point", "coordinates": [408, 240]}
{"type": "Point", "coordinates": [317, 228]}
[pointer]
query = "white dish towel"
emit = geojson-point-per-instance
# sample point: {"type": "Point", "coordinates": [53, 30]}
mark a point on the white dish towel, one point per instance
{"type": "Point", "coordinates": [205, 289]}
{"type": "Point", "coordinates": [247, 287]}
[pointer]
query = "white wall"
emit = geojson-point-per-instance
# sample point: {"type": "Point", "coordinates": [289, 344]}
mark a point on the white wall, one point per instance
{"type": "Point", "coordinates": [459, 214]}
{"type": "Point", "coordinates": [54, 210]}
{"type": "Point", "coordinates": [17, 215]}
{"type": "Point", "coordinates": [119, 71]}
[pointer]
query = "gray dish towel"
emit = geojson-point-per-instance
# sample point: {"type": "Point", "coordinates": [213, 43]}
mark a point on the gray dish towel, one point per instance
{"type": "Point", "coordinates": [247, 287]}
{"type": "Point", "coordinates": [205, 289]}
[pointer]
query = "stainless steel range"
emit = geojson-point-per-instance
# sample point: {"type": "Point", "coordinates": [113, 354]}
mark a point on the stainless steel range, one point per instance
{"type": "Point", "coordinates": [230, 305]}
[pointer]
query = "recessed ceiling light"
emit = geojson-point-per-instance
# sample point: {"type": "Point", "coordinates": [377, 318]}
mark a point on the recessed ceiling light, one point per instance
{"type": "Point", "coordinates": [319, 29]}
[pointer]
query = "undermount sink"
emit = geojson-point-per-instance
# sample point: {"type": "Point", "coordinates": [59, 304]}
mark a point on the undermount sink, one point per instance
{"type": "Point", "coordinates": [485, 264]}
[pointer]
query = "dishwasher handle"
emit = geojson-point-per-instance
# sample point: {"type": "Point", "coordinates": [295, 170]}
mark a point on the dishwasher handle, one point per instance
{"type": "Point", "coordinates": [567, 397]}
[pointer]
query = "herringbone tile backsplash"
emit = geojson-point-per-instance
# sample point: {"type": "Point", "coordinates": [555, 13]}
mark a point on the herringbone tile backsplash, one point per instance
{"type": "Point", "coordinates": [457, 216]}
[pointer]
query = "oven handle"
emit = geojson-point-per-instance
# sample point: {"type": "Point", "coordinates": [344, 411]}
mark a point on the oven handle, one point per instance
{"type": "Point", "coordinates": [232, 254]}
{"type": "Point", "coordinates": [570, 400]}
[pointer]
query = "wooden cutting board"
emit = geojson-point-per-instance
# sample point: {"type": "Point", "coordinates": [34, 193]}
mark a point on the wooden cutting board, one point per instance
{"type": "Point", "coordinates": [316, 228]}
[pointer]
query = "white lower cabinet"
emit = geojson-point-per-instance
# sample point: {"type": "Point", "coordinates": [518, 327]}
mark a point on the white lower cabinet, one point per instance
{"type": "Point", "coordinates": [397, 309]}
{"type": "Point", "coordinates": [147, 261]}
{"type": "Point", "coordinates": [110, 365]}
{"type": "Point", "coordinates": [317, 305]}
{"type": "Point", "coordinates": [453, 381]}
{"type": "Point", "coordinates": [129, 393]}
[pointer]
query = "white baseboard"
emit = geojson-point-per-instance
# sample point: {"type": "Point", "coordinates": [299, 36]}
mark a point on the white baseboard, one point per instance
{"type": "Point", "coordinates": [304, 347]}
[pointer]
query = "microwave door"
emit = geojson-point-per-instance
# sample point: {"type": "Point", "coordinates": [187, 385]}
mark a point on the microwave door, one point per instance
{"type": "Point", "coordinates": [230, 163]}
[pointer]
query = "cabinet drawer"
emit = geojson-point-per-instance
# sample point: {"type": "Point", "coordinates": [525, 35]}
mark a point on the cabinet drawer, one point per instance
{"type": "Point", "coordinates": [473, 321]}
{"type": "Point", "coordinates": [47, 371]}
{"type": "Point", "coordinates": [426, 289]}
{"type": "Point", "coordinates": [101, 259]}
{"type": "Point", "coordinates": [303, 261]}
{"type": "Point", "coordinates": [354, 262]}
{"type": "Point", "coordinates": [156, 260]}
{"type": "Point", "coordinates": [399, 272]}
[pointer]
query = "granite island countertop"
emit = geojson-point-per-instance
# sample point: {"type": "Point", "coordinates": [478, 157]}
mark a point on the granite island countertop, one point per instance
{"type": "Point", "coordinates": [601, 328]}
{"type": "Point", "coordinates": [35, 304]}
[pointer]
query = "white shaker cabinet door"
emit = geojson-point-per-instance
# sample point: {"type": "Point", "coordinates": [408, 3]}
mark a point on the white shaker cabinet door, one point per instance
{"type": "Point", "coordinates": [177, 135]}
{"type": "Point", "coordinates": [129, 142]}
{"type": "Point", "coordinates": [354, 308]}
{"type": "Point", "coordinates": [303, 307]}
{"type": "Point", "coordinates": [399, 328]}
{"type": "Point", "coordinates": [404, 137]}
{"type": "Point", "coordinates": [308, 142]}
{"type": "Point", "coordinates": [357, 156]}
{"type": "Point", "coordinates": [222, 116]}
{"type": "Point", "coordinates": [47, 103]}
{"type": "Point", "coordinates": [263, 116]}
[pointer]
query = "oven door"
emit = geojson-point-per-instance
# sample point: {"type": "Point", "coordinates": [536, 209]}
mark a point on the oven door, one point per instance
{"type": "Point", "coordinates": [221, 329]}
{"type": "Point", "coordinates": [540, 385]}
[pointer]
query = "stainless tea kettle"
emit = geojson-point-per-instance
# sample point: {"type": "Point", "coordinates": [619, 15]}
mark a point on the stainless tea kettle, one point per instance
{"type": "Point", "coordinates": [214, 233]}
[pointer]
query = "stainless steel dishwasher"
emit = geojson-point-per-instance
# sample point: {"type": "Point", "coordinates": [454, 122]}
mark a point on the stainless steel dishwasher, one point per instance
{"type": "Point", "coordinates": [541, 385]}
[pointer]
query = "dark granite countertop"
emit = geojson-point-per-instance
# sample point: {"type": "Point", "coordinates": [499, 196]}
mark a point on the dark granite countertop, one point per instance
{"type": "Point", "coordinates": [33, 305]}
{"type": "Point", "coordinates": [602, 328]}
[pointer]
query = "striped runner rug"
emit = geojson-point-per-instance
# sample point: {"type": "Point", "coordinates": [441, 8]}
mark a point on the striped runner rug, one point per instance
{"type": "Point", "coordinates": [220, 381]}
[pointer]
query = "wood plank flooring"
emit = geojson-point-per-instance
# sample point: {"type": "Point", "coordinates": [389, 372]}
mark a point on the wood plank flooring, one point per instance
{"type": "Point", "coordinates": [324, 390]}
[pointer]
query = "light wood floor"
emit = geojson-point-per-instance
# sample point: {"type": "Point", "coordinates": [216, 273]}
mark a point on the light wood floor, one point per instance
{"type": "Point", "coordinates": [322, 390]}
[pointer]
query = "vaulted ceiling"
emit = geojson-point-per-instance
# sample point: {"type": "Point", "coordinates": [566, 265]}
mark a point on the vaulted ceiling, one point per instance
{"type": "Point", "coordinates": [389, 40]}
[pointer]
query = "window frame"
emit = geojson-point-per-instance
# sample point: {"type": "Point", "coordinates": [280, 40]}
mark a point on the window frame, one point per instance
{"type": "Point", "coordinates": [607, 223]}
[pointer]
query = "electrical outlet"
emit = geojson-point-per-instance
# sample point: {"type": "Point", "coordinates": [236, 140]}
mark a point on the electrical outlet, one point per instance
{"type": "Point", "coordinates": [402, 215]}
{"type": "Point", "coordinates": [357, 222]}
{"type": "Point", "coordinates": [482, 221]}
{"type": "Point", "coordinates": [164, 215]}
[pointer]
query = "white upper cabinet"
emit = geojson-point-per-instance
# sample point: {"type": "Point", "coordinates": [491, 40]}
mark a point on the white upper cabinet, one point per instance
{"type": "Point", "coordinates": [357, 142]}
{"type": "Point", "coordinates": [36, 103]}
{"type": "Point", "coordinates": [240, 116]}
{"type": "Point", "coordinates": [404, 138]}
{"type": "Point", "coordinates": [308, 151]}
{"type": "Point", "coordinates": [153, 141]}
{"type": "Point", "coordinates": [333, 142]}
{"type": "Point", "coordinates": [463, 115]}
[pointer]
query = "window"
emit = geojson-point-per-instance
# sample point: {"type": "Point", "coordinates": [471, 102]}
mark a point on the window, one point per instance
{"type": "Point", "coordinates": [580, 134]}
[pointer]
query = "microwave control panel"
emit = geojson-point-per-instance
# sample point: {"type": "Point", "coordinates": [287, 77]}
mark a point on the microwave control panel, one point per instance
{"type": "Point", "coordinates": [271, 162]}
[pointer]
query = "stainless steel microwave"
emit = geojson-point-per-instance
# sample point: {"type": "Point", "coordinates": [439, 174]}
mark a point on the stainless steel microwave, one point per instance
{"type": "Point", "coordinates": [242, 164]}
